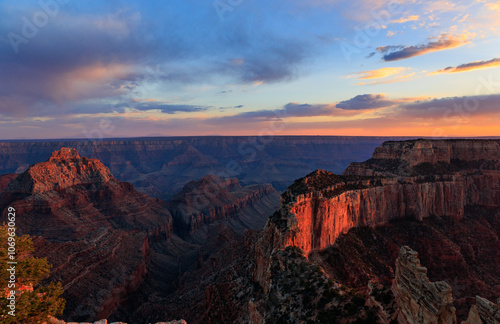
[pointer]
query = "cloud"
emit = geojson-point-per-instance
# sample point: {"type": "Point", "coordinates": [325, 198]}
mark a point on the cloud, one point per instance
{"type": "Point", "coordinates": [292, 109]}
{"type": "Point", "coordinates": [275, 61]}
{"type": "Point", "coordinates": [404, 20]}
{"type": "Point", "coordinates": [493, 6]}
{"type": "Point", "coordinates": [476, 65]}
{"type": "Point", "coordinates": [379, 73]}
{"type": "Point", "coordinates": [451, 107]}
{"type": "Point", "coordinates": [111, 54]}
{"type": "Point", "coordinates": [400, 52]}
{"type": "Point", "coordinates": [169, 108]}
{"type": "Point", "coordinates": [366, 101]}
{"type": "Point", "coordinates": [395, 79]}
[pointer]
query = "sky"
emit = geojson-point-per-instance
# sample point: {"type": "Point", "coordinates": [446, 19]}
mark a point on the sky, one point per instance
{"type": "Point", "coordinates": [98, 69]}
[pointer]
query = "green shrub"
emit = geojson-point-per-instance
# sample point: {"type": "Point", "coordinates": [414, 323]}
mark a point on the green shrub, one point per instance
{"type": "Point", "coordinates": [31, 306]}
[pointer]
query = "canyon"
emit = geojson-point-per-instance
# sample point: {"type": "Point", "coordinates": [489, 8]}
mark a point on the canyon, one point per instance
{"type": "Point", "coordinates": [331, 248]}
{"type": "Point", "coordinates": [105, 239]}
{"type": "Point", "coordinates": [161, 167]}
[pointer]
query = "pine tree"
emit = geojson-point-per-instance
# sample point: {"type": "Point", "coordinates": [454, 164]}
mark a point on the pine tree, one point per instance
{"type": "Point", "coordinates": [34, 301]}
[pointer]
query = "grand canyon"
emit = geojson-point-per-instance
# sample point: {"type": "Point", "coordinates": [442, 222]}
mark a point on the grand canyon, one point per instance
{"type": "Point", "coordinates": [152, 230]}
{"type": "Point", "coordinates": [262, 162]}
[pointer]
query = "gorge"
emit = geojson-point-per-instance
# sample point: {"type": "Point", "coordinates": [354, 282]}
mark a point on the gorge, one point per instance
{"type": "Point", "coordinates": [334, 247]}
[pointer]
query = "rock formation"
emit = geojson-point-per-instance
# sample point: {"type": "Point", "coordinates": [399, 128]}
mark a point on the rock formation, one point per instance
{"type": "Point", "coordinates": [415, 157]}
{"type": "Point", "coordinates": [454, 197]}
{"type": "Point", "coordinates": [93, 228]}
{"type": "Point", "coordinates": [331, 236]}
{"type": "Point", "coordinates": [419, 300]}
{"type": "Point", "coordinates": [484, 312]}
{"type": "Point", "coordinates": [212, 199]}
{"type": "Point", "coordinates": [316, 209]}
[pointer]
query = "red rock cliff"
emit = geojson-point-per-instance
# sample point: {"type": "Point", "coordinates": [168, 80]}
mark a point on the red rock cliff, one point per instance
{"type": "Point", "coordinates": [437, 178]}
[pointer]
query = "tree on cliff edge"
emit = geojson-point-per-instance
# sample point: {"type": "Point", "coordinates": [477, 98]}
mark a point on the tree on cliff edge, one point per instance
{"type": "Point", "coordinates": [34, 302]}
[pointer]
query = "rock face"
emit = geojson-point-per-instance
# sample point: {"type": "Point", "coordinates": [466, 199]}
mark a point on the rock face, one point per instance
{"type": "Point", "coordinates": [450, 204]}
{"type": "Point", "coordinates": [484, 312]}
{"type": "Point", "coordinates": [91, 227]}
{"type": "Point", "coordinates": [419, 300]}
{"type": "Point", "coordinates": [414, 157]}
{"type": "Point", "coordinates": [316, 209]}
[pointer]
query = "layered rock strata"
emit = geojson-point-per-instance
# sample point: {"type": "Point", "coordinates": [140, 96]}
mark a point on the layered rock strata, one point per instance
{"type": "Point", "coordinates": [94, 229]}
{"type": "Point", "coordinates": [419, 300]}
{"type": "Point", "coordinates": [484, 312]}
{"type": "Point", "coordinates": [412, 179]}
{"type": "Point", "coordinates": [104, 321]}
{"type": "Point", "coordinates": [212, 199]}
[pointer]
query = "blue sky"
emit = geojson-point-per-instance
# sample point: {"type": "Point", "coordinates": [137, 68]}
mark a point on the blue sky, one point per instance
{"type": "Point", "coordinates": [241, 67]}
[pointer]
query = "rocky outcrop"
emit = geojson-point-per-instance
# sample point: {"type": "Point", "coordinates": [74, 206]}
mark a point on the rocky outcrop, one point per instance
{"type": "Point", "coordinates": [94, 229]}
{"type": "Point", "coordinates": [79, 196]}
{"type": "Point", "coordinates": [484, 312]}
{"type": "Point", "coordinates": [65, 168]}
{"type": "Point", "coordinates": [316, 209]}
{"type": "Point", "coordinates": [419, 300]}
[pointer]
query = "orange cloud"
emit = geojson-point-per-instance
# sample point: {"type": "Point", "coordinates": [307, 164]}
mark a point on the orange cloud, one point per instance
{"type": "Point", "coordinates": [403, 20]}
{"type": "Point", "coordinates": [380, 73]}
{"type": "Point", "coordinates": [476, 65]}
{"type": "Point", "coordinates": [443, 42]}
{"type": "Point", "coordinates": [493, 6]}
{"type": "Point", "coordinates": [79, 82]}
{"type": "Point", "coordinates": [399, 78]}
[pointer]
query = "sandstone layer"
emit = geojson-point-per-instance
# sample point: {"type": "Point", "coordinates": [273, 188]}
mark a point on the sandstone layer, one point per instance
{"type": "Point", "coordinates": [484, 312]}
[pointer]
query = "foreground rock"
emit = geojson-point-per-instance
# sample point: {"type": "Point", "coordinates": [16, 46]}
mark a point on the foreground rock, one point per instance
{"type": "Point", "coordinates": [484, 312]}
{"type": "Point", "coordinates": [419, 300]}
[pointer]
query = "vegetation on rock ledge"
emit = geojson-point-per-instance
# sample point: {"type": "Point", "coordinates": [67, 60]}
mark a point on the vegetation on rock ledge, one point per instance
{"type": "Point", "coordinates": [34, 301]}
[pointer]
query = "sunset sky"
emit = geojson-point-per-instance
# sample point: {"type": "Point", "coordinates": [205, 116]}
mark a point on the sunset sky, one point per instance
{"type": "Point", "coordinates": [92, 69]}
